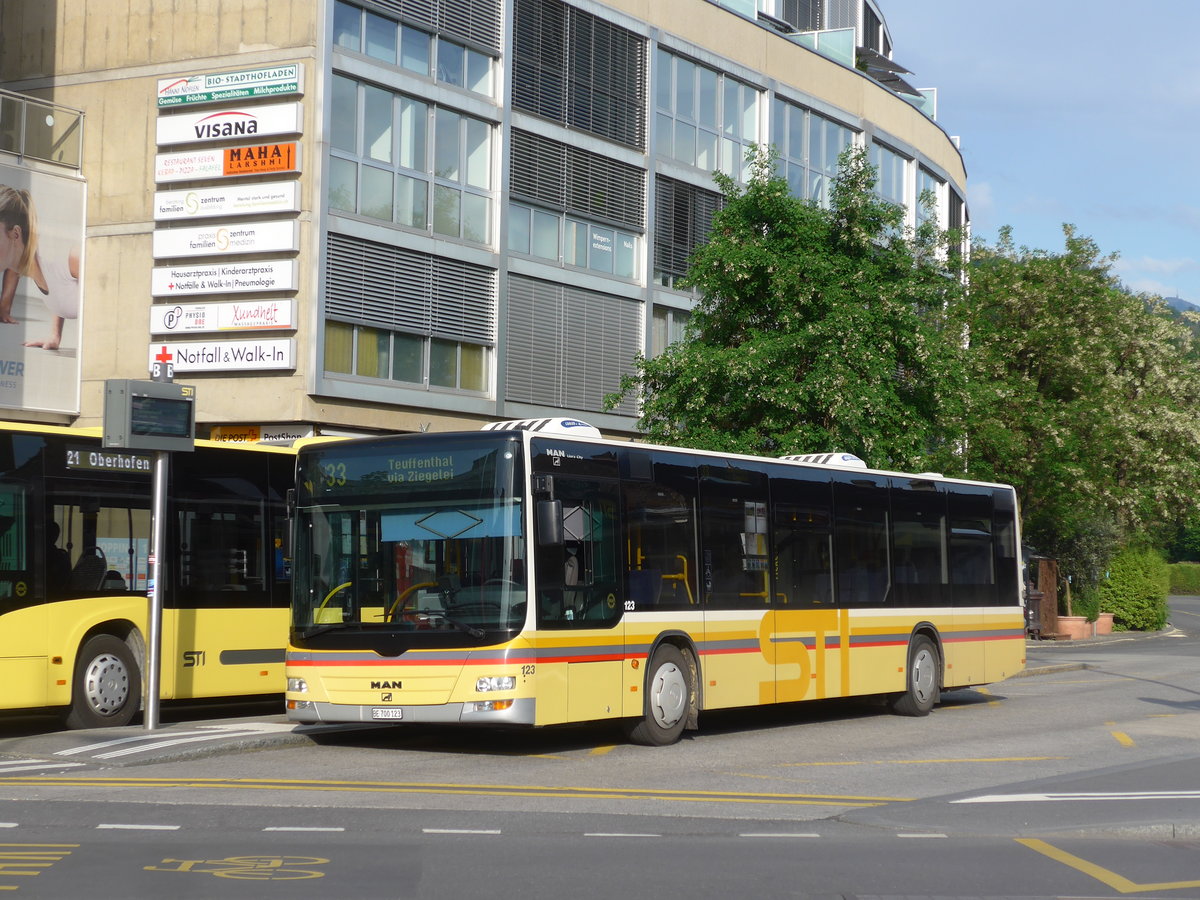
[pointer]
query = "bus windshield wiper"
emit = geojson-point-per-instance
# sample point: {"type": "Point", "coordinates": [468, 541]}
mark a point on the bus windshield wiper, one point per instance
{"type": "Point", "coordinates": [462, 626]}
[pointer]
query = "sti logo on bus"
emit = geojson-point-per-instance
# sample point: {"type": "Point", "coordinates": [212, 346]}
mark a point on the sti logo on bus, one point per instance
{"type": "Point", "coordinates": [383, 685]}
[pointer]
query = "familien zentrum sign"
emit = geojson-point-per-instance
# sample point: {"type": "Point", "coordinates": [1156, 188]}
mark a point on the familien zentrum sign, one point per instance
{"type": "Point", "coordinates": [186, 90]}
{"type": "Point", "coordinates": [235, 200]}
{"type": "Point", "coordinates": [215, 240]}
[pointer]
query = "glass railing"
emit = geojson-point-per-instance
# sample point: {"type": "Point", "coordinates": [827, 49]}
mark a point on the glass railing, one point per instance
{"type": "Point", "coordinates": [926, 103]}
{"type": "Point", "coordinates": [837, 43]}
{"type": "Point", "coordinates": [38, 129]}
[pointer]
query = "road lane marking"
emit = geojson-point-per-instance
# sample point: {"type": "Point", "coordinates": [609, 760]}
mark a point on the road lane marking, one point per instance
{"type": "Point", "coordinates": [930, 835]}
{"type": "Point", "coordinates": [1122, 738]}
{"type": "Point", "coordinates": [779, 834]}
{"type": "Point", "coordinates": [488, 790]}
{"type": "Point", "coordinates": [619, 834]}
{"type": "Point", "coordinates": [460, 831]}
{"type": "Point", "coordinates": [33, 765]}
{"type": "Point", "coordinates": [1101, 874]}
{"type": "Point", "coordinates": [303, 828]}
{"type": "Point", "coordinates": [1097, 795]}
{"type": "Point", "coordinates": [118, 826]}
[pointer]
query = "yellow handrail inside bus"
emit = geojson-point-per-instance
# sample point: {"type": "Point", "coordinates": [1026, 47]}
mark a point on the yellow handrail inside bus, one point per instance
{"type": "Point", "coordinates": [398, 605]}
{"type": "Point", "coordinates": [682, 576]}
{"type": "Point", "coordinates": [329, 596]}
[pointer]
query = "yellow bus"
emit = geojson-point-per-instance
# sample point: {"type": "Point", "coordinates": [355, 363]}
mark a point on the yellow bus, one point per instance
{"type": "Point", "coordinates": [74, 546]}
{"type": "Point", "coordinates": [533, 573]}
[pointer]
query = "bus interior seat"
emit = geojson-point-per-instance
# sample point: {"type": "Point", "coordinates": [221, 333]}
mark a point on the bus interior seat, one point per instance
{"type": "Point", "coordinates": [112, 581]}
{"type": "Point", "coordinates": [89, 570]}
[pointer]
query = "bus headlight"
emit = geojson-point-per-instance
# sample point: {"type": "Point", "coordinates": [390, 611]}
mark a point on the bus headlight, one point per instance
{"type": "Point", "coordinates": [297, 686]}
{"type": "Point", "coordinates": [496, 683]}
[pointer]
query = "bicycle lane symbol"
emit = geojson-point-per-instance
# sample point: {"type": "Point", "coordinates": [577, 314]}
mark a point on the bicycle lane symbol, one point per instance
{"type": "Point", "coordinates": [249, 868]}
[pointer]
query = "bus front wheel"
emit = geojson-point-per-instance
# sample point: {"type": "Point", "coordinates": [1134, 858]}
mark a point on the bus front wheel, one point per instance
{"type": "Point", "coordinates": [922, 679]}
{"type": "Point", "coordinates": [667, 699]}
{"type": "Point", "coordinates": [108, 685]}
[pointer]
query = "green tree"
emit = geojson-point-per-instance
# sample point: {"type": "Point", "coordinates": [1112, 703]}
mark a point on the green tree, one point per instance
{"type": "Point", "coordinates": [1084, 395]}
{"type": "Point", "coordinates": [815, 329]}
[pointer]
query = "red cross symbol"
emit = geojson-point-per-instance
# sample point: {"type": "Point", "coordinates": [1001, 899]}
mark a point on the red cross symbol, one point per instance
{"type": "Point", "coordinates": [163, 356]}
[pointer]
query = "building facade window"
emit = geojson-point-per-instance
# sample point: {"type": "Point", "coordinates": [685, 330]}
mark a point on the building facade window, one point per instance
{"type": "Point", "coordinates": [891, 170]}
{"type": "Point", "coordinates": [704, 118]}
{"type": "Point", "coordinates": [407, 162]}
{"type": "Point", "coordinates": [577, 69]}
{"type": "Point", "coordinates": [399, 315]}
{"type": "Point", "coordinates": [574, 242]}
{"type": "Point", "coordinates": [419, 51]}
{"type": "Point", "coordinates": [568, 347]}
{"type": "Point", "coordinates": [668, 328]}
{"type": "Point", "coordinates": [682, 221]}
{"type": "Point", "coordinates": [928, 182]}
{"type": "Point", "coordinates": [414, 360]}
{"type": "Point", "coordinates": [809, 147]}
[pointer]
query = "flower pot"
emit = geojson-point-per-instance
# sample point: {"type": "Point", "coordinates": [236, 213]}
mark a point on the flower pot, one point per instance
{"type": "Point", "coordinates": [1104, 622]}
{"type": "Point", "coordinates": [1074, 628]}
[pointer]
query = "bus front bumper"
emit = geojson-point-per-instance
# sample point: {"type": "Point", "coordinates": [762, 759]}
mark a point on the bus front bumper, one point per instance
{"type": "Point", "coordinates": [518, 712]}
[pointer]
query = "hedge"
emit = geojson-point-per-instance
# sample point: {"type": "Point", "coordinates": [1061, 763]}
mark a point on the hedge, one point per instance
{"type": "Point", "coordinates": [1135, 591]}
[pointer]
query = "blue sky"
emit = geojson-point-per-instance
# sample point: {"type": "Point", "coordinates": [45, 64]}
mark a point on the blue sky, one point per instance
{"type": "Point", "coordinates": [1068, 111]}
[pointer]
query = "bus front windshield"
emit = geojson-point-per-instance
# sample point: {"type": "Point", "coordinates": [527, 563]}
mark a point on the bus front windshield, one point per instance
{"type": "Point", "coordinates": [410, 534]}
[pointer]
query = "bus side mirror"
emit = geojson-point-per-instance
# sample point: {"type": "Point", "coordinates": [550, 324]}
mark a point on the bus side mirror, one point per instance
{"type": "Point", "coordinates": [550, 523]}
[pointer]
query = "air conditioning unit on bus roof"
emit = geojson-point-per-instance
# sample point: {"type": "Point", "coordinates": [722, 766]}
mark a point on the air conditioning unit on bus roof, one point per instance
{"type": "Point", "coordinates": [847, 460]}
{"type": "Point", "coordinates": [566, 427]}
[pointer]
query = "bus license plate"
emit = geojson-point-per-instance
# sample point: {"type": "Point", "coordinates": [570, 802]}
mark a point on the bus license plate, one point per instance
{"type": "Point", "coordinates": [387, 713]}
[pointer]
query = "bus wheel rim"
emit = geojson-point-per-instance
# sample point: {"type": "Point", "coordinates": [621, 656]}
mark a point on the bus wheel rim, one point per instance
{"type": "Point", "coordinates": [668, 695]}
{"type": "Point", "coordinates": [924, 669]}
{"type": "Point", "coordinates": [107, 684]}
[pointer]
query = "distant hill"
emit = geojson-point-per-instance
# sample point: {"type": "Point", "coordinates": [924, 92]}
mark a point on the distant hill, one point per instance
{"type": "Point", "coordinates": [1180, 305]}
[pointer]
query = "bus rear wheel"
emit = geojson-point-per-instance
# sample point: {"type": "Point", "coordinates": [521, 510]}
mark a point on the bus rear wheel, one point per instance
{"type": "Point", "coordinates": [922, 679]}
{"type": "Point", "coordinates": [108, 685]}
{"type": "Point", "coordinates": [667, 699]}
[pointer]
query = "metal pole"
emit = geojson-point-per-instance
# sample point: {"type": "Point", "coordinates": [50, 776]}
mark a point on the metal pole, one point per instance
{"type": "Point", "coordinates": [158, 577]}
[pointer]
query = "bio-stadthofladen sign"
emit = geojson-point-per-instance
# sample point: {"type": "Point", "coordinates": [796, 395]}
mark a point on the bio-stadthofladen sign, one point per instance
{"type": "Point", "coordinates": [239, 315]}
{"type": "Point", "coordinates": [273, 81]}
{"type": "Point", "coordinates": [227, 356]}
{"type": "Point", "coordinates": [249, 122]}
{"type": "Point", "coordinates": [230, 162]}
{"type": "Point", "coordinates": [224, 278]}
{"type": "Point", "coordinates": [234, 200]}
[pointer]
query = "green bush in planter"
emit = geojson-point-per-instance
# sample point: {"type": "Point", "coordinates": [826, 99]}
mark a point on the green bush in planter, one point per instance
{"type": "Point", "coordinates": [1135, 591]}
{"type": "Point", "coordinates": [1087, 604]}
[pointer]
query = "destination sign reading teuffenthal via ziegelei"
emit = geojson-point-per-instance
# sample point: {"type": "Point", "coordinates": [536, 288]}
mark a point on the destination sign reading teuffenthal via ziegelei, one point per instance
{"type": "Point", "coordinates": [273, 81]}
{"type": "Point", "coordinates": [241, 123]}
{"type": "Point", "coordinates": [231, 162]}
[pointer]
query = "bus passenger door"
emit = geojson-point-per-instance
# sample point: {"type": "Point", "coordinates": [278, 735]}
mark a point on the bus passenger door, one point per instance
{"type": "Point", "coordinates": [23, 597]}
{"type": "Point", "coordinates": [581, 639]}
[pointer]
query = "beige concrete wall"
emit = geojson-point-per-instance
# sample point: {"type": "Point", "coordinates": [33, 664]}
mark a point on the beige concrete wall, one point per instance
{"type": "Point", "coordinates": [106, 57]}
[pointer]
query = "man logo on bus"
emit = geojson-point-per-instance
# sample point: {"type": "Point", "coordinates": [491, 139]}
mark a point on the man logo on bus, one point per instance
{"type": "Point", "coordinates": [383, 685]}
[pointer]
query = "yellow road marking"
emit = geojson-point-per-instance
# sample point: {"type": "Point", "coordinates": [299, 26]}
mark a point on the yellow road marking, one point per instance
{"type": "Point", "coordinates": [1122, 738]}
{"type": "Point", "coordinates": [1101, 874]}
{"type": "Point", "coordinates": [492, 790]}
{"type": "Point", "coordinates": [600, 751]}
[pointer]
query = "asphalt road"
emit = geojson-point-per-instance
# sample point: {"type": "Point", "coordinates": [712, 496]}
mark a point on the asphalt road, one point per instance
{"type": "Point", "coordinates": [1081, 779]}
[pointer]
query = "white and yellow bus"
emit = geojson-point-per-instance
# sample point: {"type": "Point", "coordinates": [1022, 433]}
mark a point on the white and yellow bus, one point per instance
{"type": "Point", "coordinates": [533, 573]}
{"type": "Point", "coordinates": [74, 546]}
